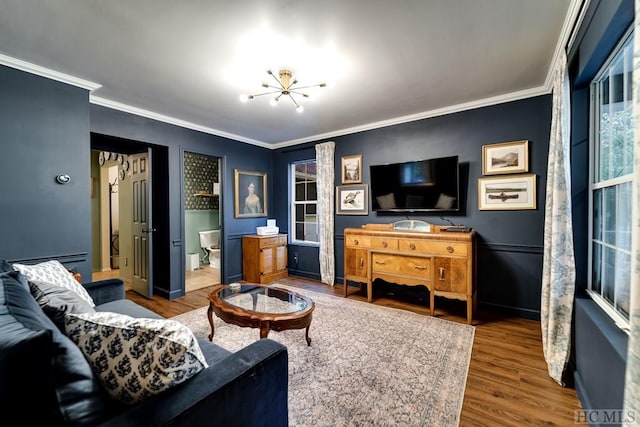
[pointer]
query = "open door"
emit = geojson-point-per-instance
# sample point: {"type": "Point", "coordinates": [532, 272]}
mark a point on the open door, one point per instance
{"type": "Point", "coordinates": [142, 224]}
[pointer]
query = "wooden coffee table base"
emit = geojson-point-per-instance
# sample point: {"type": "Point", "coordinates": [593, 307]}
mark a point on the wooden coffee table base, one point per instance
{"type": "Point", "coordinates": [266, 322]}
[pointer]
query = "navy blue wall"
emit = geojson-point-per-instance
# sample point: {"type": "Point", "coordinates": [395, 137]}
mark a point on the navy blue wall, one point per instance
{"type": "Point", "coordinates": [44, 131]}
{"type": "Point", "coordinates": [600, 348]}
{"type": "Point", "coordinates": [174, 140]}
{"type": "Point", "coordinates": [509, 242]}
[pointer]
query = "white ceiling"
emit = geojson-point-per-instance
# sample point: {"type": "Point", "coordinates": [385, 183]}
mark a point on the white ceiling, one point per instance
{"type": "Point", "coordinates": [385, 61]}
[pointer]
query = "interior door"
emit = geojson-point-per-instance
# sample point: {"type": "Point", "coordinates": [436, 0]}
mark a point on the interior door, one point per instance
{"type": "Point", "coordinates": [142, 224]}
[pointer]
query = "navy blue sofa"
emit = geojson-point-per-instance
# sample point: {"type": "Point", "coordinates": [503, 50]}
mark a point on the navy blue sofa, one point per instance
{"type": "Point", "coordinates": [41, 369]}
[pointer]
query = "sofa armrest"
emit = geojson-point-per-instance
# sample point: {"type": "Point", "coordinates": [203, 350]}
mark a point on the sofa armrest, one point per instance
{"type": "Point", "coordinates": [107, 290]}
{"type": "Point", "coordinates": [247, 388]}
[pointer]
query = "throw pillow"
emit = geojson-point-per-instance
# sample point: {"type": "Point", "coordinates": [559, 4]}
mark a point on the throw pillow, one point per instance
{"type": "Point", "coordinates": [56, 301]}
{"type": "Point", "coordinates": [54, 272]}
{"type": "Point", "coordinates": [387, 201]}
{"type": "Point", "coordinates": [136, 358]}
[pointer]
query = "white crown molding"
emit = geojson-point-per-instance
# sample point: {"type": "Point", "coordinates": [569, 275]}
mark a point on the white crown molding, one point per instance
{"type": "Point", "coordinates": [46, 72]}
{"type": "Point", "coordinates": [486, 102]}
{"type": "Point", "coordinates": [172, 120]}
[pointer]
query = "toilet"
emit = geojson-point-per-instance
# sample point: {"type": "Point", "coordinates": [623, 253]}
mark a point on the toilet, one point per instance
{"type": "Point", "coordinates": [210, 244]}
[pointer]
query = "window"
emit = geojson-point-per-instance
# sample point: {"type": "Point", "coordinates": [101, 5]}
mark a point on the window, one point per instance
{"type": "Point", "coordinates": [611, 175]}
{"type": "Point", "coordinates": [304, 218]}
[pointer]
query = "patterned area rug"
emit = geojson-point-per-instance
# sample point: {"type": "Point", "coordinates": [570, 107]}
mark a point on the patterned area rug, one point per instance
{"type": "Point", "coordinates": [367, 365]}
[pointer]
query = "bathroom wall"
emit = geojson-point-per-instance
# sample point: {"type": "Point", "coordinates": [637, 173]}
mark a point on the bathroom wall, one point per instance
{"type": "Point", "coordinates": [201, 207]}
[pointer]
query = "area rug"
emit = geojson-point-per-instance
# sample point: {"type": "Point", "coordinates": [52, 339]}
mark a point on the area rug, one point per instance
{"type": "Point", "coordinates": [367, 365]}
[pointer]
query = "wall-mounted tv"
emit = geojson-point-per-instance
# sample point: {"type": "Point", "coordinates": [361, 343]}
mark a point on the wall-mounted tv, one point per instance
{"type": "Point", "coordinates": [430, 185]}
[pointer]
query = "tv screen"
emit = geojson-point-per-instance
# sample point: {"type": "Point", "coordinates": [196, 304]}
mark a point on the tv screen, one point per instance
{"type": "Point", "coordinates": [416, 186]}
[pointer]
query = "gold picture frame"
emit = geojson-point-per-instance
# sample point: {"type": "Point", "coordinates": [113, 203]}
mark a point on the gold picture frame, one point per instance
{"type": "Point", "coordinates": [514, 192]}
{"type": "Point", "coordinates": [250, 196]}
{"type": "Point", "coordinates": [505, 158]}
{"type": "Point", "coordinates": [352, 169]}
{"type": "Point", "coordinates": [352, 199]}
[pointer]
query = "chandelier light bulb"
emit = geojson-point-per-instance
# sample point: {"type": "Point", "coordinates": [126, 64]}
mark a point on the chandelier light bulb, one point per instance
{"type": "Point", "coordinates": [244, 98]}
{"type": "Point", "coordinates": [299, 108]}
{"type": "Point", "coordinates": [273, 102]}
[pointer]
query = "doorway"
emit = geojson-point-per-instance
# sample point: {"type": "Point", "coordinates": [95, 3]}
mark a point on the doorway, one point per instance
{"type": "Point", "coordinates": [130, 216]}
{"type": "Point", "coordinates": [202, 220]}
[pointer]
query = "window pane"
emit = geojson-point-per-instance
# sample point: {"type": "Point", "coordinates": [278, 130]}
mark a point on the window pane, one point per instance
{"type": "Point", "coordinates": [609, 274]}
{"type": "Point", "coordinates": [299, 230]}
{"type": "Point", "coordinates": [311, 232]}
{"type": "Point", "coordinates": [311, 208]}
{"type": "Point", "coordinates": [300, 192]}
{"type": "Point", "coordinates": [597, 214]}
{"type": "Point", "coordinates": [299, 213]}
{"type": "Point", "coordinates": [312, 193]}
{"type": "Point", "coordinates": [623, 278]}
{"type": "Point", "coordinates": [623, 220]}
{"type": "Point", "coordinates": [610, 215]}
{"type": "Point", "coordinates": [596, 272]}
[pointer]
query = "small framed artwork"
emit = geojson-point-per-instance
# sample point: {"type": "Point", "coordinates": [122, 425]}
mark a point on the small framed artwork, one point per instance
{"type": "Point", "coordinates": [352, 199]}
{"type": "Point", "coordinates": [505, 157]}
{"type": "Point", "coordinates": [352, 169]}
{"type": "Point", "coordinates": [250, 197]}
{"type": "Point", "coordinates": [507, 192]}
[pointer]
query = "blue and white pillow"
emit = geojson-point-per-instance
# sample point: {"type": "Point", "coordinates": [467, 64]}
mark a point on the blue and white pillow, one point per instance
{"type": "Point", "coordinates": [54, 272]}
{"type": "Point", "coordinates": [135, 358]}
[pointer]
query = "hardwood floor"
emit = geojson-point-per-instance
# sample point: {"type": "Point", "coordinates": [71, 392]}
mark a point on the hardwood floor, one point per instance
{"type": "Point", "coordinates": [507, 383]}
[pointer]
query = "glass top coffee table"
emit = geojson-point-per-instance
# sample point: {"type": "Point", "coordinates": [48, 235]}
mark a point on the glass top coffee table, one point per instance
{"type": "Point", "coordinates": [257, 306]}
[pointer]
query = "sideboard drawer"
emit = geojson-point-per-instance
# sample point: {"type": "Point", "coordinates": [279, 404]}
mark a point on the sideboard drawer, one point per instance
{"type": "Point", "coordinates": [357, 241]}
{"type": "Point", "coordinates": [273, 241]}
{"type": "Point", "coordinates": [436, 248]}
{"type": "Point", "coordinates": [420, 267]}
{"type": "Point", "coordinates": [384, 243]}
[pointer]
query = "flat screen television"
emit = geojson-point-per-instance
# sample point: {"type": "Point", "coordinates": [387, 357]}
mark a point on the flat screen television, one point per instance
{"type": "Point", "coordinates": [430, 185]}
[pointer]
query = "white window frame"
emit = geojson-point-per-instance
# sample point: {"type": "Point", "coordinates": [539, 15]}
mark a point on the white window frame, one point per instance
{"type": "Point", "coordinates": [607, 307]}
{"type": "Point", "coordinates": [293, 203]}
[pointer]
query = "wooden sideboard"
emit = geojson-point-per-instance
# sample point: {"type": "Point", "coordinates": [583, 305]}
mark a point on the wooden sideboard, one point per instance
{"type": "Point", "coordinates": [264, 258]}
{"type": "Point", "coordinates": [442, 261]}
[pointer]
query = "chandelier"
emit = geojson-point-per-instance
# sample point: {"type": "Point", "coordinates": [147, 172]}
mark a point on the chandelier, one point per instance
{"type": "Point", "coordinates": [285, 87]}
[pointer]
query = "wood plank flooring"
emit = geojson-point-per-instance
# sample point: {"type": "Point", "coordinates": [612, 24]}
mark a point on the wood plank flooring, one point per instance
{"type": "Point", "coordinates": [507, 383]}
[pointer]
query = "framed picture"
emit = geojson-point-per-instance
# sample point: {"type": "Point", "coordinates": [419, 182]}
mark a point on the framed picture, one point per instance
{"type": "Point", "coordinates": [506, 193]}
{"type": "Point", "coordinates": [506, 157]}
{"type": "Point", "coordinates": [250, 197]}
{"type": "Point", "coordinates": [352, 169]}
{"type": "Point", "coordinates": [352, 199]}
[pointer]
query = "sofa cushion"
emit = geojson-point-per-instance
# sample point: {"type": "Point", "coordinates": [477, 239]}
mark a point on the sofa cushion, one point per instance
{"type": "Point", "coordinates": [136, 358]}
{"type": "Point", "coordinates": [62, 379]}
{"type": "Point", "coordinates": [127, 307]}
{"type": "Point", "coordinates": [54, 272]}
{"type": "Point", "coordinates": [56, 301]}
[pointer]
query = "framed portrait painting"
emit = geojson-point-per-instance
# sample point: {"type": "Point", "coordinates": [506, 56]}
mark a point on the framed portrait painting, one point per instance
{"type": "Point", "coordinates": [250, 195]}
{"type": "Point", "coordinates": [352, 199]}
{"type": "Point", "coordinates": [505, 157]}
{"type": "Point", "coordinates": [352, 169]}
{"type": "Point", "coordinates": [501, 193]}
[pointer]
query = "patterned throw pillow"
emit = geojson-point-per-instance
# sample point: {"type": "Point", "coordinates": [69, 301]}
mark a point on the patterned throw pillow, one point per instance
{"type": "Point", "coordinates": [54, 272]}
{"type": "Point", "coordinates": [135, 358]}
{"type": "Point", "coordinates": [56, 301]}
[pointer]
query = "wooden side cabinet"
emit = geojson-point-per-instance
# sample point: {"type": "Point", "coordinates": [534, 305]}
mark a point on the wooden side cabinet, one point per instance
{"type": "Point", "coordinates": [443, 262]}
{"type": "Point", "coordinates": [264, 258]}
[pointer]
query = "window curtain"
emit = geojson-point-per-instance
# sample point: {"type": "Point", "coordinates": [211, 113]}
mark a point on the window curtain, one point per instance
{"type": "Point", "coordinates": [558, 270]}
{"type": "Point", "coordinates": [325, 174]}
{"type": "Point", "coordinates": [632, 380]}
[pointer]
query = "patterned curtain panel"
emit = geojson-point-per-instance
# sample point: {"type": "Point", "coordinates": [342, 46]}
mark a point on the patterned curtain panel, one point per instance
{"type": "Point", "coordinates": [558, 271]}
{"type": "Point", "coordinates": [325, 171]}
{"type": "Point", "coordinates": [632, 381]}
